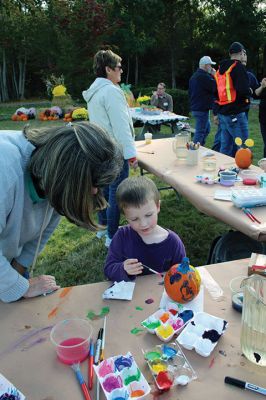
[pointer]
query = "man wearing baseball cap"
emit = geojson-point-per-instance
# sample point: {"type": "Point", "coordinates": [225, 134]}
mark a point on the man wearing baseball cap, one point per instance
{"type": "Point", "coordinates": [201, 96]}
{"type": "Point", "coordinates": [233, 93]}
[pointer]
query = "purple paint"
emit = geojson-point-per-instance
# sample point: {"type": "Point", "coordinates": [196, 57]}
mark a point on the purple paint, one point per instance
{"type": "Point", "coordinates": [34, 343]}
{"type": "Point", "coordinates": [123, 362]}
{"type": "Point", "coordinates": [149, 301]}
{"type": "Point", "coordinates": [112, 382]}
{"type": "Point", "coordinates": [14, 346]}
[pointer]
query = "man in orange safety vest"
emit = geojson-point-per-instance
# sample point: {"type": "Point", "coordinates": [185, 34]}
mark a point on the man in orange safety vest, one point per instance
{"type": "Point", "coordinates": [232, 99]}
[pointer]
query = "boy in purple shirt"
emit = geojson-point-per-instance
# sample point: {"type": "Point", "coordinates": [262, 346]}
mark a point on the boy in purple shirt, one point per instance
{"type": "Point", "coordinates": [142, 241]}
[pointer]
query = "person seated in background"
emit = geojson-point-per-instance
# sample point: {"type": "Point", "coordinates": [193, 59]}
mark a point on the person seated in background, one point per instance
{"type": "Point", "coordinates": [142, 242]}
{"type": "Point", "coordinates": [161, 99]}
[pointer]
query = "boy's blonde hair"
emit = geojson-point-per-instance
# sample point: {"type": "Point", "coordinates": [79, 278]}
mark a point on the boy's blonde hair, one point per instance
{"type": "Point", "coordinates": [68, 163]}
{"type": "Point", "coordinates": [136, 191]}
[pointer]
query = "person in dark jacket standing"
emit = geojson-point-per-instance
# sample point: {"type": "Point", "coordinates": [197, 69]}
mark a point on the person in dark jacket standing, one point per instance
{"type": "Point", "coordinates": [233, 93]}
{"type": "Point", "coordinates": [261, 93]}
{"type": "Point", "coordinates": [201, 96]}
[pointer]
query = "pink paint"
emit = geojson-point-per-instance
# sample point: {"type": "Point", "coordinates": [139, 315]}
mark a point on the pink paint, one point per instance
{"type": "Point", "coordinates": [73, 350]}
{"type": "Point", "coordinates": [211, 363]}
{"type": "Point", "coordinates": [112, 382]}
{"type": "Point", "coordinates": [177, 324]}
{"type": "Point", "coordinates": [106, 367]}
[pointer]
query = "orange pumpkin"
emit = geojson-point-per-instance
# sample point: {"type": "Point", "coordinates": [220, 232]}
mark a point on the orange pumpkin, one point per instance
{"type": "Point", "coordinates": [243, 158]}
{"type": "Point", "coordinates": [182, 282]}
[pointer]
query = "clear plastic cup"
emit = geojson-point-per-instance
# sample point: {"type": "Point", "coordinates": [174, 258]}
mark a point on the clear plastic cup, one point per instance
{"type": "Point", "coordinates": [148, 137]}
{"type": "Point", "coordinates": [71, 338]}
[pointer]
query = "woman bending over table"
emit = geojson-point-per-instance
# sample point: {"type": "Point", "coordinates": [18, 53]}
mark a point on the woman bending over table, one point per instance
{"type": "Point", "coordinates": [45, 173]}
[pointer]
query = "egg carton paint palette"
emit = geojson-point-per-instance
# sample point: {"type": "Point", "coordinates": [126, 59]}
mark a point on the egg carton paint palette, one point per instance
{"type": "Point", "coordinates": [202, 333]}
{"type": "Point", "coordinates": [9, 391]}
{"type": "Point", "coordinates": [169, 366]}
{"type": "Point", "coordinates": [166, 323]}
{"type": "Point", "coordinates": [121, 379]}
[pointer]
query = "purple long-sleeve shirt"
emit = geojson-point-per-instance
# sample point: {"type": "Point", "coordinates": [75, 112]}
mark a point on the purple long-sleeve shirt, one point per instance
{"type": "Point", "coordinates": [128, 244]}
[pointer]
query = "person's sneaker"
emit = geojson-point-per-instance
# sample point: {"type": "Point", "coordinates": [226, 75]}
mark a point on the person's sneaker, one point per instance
{"type": "Point", "coordinates": [107, 241]}
{"type": "Point", "coordinates": [101, 234]}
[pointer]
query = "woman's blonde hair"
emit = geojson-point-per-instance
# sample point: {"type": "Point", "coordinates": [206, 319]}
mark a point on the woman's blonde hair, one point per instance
{"type": "Point", "coordinates": [102, 59]}
{"type": "Point", "coordinates": [136, 191]}
{"type": "Point", "coordinates": [69, 162]}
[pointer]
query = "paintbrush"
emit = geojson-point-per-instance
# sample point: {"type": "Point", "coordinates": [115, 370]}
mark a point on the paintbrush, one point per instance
{"type": "Point", "coordinates": [152, 270]}
{"type": "Point", "coordinates": [81, 381]}
{"type": "Point", "coordinates": [146, 152]}
{"type": "Point", "coordinates": [145, 266]}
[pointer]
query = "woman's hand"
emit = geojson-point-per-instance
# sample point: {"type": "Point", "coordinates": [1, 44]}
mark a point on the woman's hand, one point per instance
{"type": "Point", "coordinates": [132, 266]}
{"type": "Point", "coordinates": [41, 285]}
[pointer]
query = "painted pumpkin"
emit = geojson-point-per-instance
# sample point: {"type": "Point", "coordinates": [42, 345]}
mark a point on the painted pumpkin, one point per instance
{"type": "Point", "coordinates": [243, 158]}
{"type": "Point", "coordinates": [182, 282]}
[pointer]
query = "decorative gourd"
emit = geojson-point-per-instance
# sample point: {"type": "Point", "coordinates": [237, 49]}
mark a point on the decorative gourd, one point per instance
{"type": "Point", "coordinates": [243, 158]}
{"type": "Point", "coordinates": [182, 282]}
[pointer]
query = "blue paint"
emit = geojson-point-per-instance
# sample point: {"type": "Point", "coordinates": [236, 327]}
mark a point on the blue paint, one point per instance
{"type": "Point", "coordinates": [186, 315]}
{"type": "Point", "coordinates": [168, 352]}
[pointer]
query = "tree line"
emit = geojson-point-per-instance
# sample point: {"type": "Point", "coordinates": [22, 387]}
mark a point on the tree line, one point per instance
{"type": "Point", "coordinates": [159, 40]}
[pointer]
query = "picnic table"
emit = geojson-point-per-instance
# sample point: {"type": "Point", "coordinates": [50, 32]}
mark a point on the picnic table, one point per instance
{"type": "Point", "coordinates": [28, 358]}
{"type": "Point", "coordinates": [159, 159]}
{"type": "Point", "coordinates": [151, 122]}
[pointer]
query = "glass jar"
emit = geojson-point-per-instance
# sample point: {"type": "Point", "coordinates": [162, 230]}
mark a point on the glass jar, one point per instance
{"type": "Point", "coordinates": [180, 145]}
{"type": "Point", "coordinates": [209, 163]}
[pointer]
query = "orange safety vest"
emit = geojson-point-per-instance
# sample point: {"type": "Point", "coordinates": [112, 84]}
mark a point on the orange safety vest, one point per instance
{"type": "Point", "coordinates": [225, 87]}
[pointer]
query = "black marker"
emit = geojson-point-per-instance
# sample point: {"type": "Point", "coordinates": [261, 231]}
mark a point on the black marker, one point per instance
{"type": "Point", "coordinates": [98, 346]}
{"type": "Point", "coordinates": [244, 385]}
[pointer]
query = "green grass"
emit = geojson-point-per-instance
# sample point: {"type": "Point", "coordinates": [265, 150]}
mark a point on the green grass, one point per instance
{"type": "Point", "coordinates": [75, 256]}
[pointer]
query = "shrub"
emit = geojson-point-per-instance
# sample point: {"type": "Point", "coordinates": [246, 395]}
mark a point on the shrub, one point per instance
{"type": "Point", "coordinates": [180, 97]}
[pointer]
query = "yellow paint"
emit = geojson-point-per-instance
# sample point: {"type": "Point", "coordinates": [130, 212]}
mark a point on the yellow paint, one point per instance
{"type": "Point", "coordinates": [165, 331]}
{"type": "Point", "coordinates": [158, 368]}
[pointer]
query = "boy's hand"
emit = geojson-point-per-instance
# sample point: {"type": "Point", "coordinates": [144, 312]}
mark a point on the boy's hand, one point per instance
{"type": "Point", "coordinates": [132, 266]}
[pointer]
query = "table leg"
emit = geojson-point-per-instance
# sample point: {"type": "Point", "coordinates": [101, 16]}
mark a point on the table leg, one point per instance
{"type": "Point", "coordinates": [146, 128]}
{"type": "Point", "coordinates": [174, 127]}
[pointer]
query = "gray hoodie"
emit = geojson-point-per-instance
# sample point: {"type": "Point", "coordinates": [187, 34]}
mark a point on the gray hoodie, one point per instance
{"type": "Point", "coordinates": [107, 107]}
{"type": "Point", "coordinates": [21, 218]}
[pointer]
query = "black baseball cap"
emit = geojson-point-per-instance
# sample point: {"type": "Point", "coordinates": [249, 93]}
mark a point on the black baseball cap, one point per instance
{"type": "Point", "coordinates": [236, 47]}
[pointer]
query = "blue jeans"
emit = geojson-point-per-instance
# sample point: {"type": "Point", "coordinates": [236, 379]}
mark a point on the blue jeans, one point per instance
{"type": "Point", "coordinates": [203, 126]}
{"type": "Point", "coordinates": [232, 126]}
{"type": "Point", "coordinates": [217, 138]}
{"type": "Point", "coordinates": [110, 216]}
